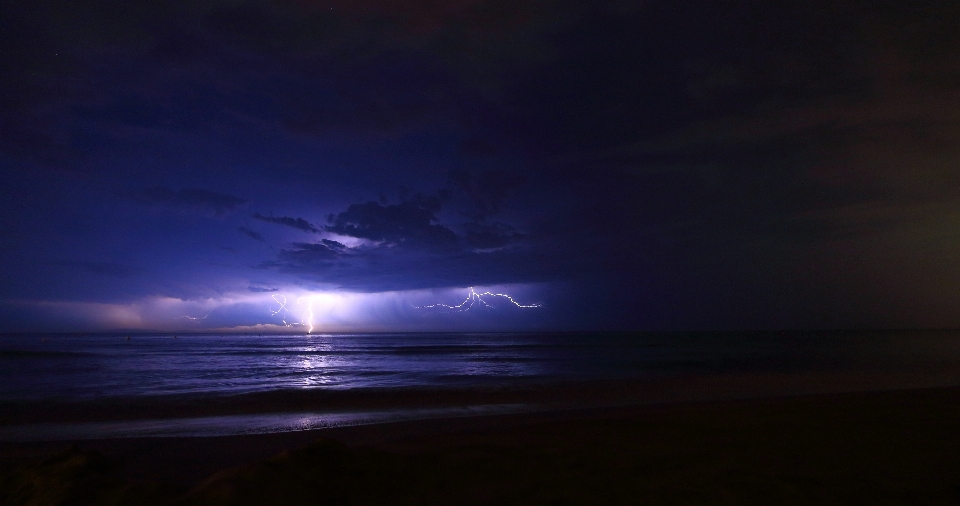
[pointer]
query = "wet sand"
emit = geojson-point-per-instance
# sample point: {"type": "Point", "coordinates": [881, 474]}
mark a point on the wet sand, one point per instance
{"type": "Point", "coordinates": [882, 447]}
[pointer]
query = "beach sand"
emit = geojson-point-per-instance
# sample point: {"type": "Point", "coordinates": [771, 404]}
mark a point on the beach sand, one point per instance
{"type": "Point", "coordinates": [886, 447]}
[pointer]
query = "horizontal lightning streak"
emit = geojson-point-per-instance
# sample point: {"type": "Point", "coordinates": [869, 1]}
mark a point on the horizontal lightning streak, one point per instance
{"type": "Point", "coordinates": [473, 298]}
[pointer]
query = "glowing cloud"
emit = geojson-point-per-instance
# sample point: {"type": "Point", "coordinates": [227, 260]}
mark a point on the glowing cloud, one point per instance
{"type": "Point", "coordinates": [290, 310]}
{"type": "Point", "coordinates": [304, 311]}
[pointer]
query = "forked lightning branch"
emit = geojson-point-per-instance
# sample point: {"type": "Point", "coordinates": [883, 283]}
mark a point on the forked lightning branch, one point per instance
{"type": "Point", "coordinates": [475, 299]}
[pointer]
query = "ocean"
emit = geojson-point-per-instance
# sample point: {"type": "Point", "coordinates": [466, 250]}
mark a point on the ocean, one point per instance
{"type": "Point", "coordinates": [40, 368]}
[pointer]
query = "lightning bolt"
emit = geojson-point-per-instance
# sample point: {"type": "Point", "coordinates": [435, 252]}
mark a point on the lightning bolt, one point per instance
{"type": "Point", "coordinates": [309, 312]}
{"type": "Point", "coordinates": [306, 315]}
{"type": "Point", "coordinates": [473, 298]}
{"type": "Point", "coordinates": [283, 304]}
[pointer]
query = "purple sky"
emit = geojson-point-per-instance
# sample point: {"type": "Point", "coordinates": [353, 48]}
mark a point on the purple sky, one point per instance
{"type": "Point", "coordinates": [628, 165]}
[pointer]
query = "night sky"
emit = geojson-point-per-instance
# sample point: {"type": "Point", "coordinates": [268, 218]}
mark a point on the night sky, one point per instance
{"type": "Point", "coordinates": [628, 165]}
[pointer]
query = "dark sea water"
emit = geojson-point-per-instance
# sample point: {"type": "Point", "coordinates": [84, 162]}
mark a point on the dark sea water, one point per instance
{"type": "Point", "coordinates": [39, 368]}
{"type": "Point", "coordinates": [90, 366]}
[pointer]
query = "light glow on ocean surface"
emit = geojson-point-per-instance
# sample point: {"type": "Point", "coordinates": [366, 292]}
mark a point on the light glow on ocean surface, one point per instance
{"type": "Point", "coordinates": [74, 367]}
{"type": "Point", "coordinates": [231, 425]}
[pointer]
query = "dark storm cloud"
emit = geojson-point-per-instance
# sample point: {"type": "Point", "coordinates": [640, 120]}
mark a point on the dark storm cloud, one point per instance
{"type": "Point", "coordinates": [373, 269]}
{"type": "Point", "coordinates": [77, 81]}
{"type": "Point", "coordinates": [620, 72]}
{"type": "Point", "coordinates": [487, 189]}
{"type": "Point", "coordinates": [701, 163]}
{"type": "Point", "coordinates": [311, 255]}
{"type": "Point", "coordinates": [757, 125]}
{"type": "Point", "coordinates": [493, 235]}
{"type": "Point", "coordinates": [53, 71]}
{"type": "Point", "coordinates": [188, 199]}
{"type": "Point", "coordinates": [407, 248]}
{"type": "Point", "coordinates": [261, 289]}
{"type": "Point", "coordinates": [409, 223]}
{"type": "Point", "coordinates": [110, 269]}
{"type": "Point", "coordinates": [794, 169]}
{"type": "Point", "coordinates": [297, 223]}
{"type": "Point", "coordinates": [251, 234]}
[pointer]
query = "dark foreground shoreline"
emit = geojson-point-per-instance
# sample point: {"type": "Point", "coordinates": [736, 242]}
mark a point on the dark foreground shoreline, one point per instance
{"type": "Point", "coordinates": [882, 447]}
{"type": "Point", "coordinates": [558, 396]}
